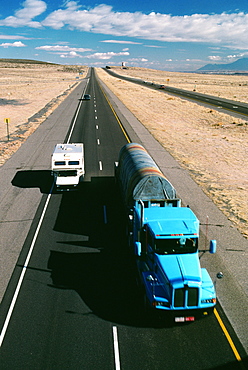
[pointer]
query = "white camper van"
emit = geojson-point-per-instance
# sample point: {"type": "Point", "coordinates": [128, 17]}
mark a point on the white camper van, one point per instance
{"type": "Point", "coordinates": [67, 165]}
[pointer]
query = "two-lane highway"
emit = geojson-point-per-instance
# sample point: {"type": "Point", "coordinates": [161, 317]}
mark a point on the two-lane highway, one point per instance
{"type": "Point", "coordinates": [97, 129]}
{"type": "Point", "coordinates": [69, 262]}
{"type": "Point", "coordinates": [78, 306]}
{"type": "Point", "coordinates": [220, 103]}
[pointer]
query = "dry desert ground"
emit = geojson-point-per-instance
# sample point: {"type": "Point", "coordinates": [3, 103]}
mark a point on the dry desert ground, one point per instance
{"type": "Point", "coordinates": [29, 93]}
{"type": "Point", "coordinates": [213, 146]}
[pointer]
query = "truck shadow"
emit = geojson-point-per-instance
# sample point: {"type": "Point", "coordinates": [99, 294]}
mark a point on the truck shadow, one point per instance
{"type": "Point", "coordinates": [41, 179]}
{"type": "Point", "coordinates": [104, 273]}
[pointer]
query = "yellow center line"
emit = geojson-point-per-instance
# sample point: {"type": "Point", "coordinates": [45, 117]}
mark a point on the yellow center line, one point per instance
{"type": "Point", "coordinates": [116, 116]}
{"type": "Point", "coordinates": [228, 337]}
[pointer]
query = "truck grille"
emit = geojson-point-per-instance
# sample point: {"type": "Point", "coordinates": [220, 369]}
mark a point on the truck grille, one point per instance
{"type": "Point", "coordinates": [186, 297]}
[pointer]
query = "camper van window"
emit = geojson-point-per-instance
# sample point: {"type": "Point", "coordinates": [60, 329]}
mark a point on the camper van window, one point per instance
{"type": "Point", "coordinates": [59, 163]}
{"type": "Point", "coordinates": [73, 163]}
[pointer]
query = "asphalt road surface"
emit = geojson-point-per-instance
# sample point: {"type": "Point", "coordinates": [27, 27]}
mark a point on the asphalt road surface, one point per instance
{"type": "Point", "coordinates": [72, 300]}
{"type": "Point", "coordinates": [230, 105]}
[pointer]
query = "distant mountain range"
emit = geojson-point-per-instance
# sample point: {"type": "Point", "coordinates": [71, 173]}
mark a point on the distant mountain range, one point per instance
{"type": "Point", "coordinates": [238, 66]}
{"type": "Point", "coordinates": [23, 61]}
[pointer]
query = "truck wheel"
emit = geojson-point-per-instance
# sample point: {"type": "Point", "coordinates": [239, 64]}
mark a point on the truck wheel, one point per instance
{"type": "Point", "coordinates": [149, 313]}
{"type": "Point", "coordinates": [129, 235]}
{"type": "Point", "coordinates": [146, 305]}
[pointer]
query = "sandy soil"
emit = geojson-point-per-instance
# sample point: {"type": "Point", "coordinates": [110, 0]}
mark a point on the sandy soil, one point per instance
{"type": "Point", "coordinates": [28, 94]}
{"type": "Point", "coordinates": [213, 146]}
{"type": "Point", "coordinates": [234, 87]}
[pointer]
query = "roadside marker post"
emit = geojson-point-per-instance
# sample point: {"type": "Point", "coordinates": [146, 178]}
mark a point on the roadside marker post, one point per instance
{"type": "Point", "coordinates": [7, 121]}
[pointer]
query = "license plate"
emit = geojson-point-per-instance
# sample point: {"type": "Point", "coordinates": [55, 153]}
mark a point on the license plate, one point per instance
{"type": "Point", "coordinates": [184, 319]}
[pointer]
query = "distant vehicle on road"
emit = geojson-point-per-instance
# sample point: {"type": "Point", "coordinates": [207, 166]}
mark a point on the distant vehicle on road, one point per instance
{"type": "Point", "coordinates": [87, 97]}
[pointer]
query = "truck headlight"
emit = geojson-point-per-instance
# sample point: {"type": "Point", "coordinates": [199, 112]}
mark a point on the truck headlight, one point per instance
{"type": "Point", "coordinates": [161, 304]}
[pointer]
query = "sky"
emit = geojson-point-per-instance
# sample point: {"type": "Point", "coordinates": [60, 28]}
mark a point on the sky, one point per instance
{"type": "Point", "coordinates": [165, 35]}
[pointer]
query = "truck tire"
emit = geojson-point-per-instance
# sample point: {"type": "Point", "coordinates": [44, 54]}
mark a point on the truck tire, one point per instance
{"type": "Point", "coordinates": [129, 237]}
{"type": "Point", "coordinates": [147, 307]}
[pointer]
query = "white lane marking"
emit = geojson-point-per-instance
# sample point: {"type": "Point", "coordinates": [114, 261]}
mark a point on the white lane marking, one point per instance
{"type": "Point", "coordinates": [24, 269]}
{"type": "Point", "coordinates": [105, 214]}
{"type": "Point", "coordinates": [100, 165]}
{"type": "Point", "coordinates": [95, 110]}
{"type": "Point", "coordinates": [74, 122]}
{"type": "Point", "coordinates": [116, 349]}
{"type": "Point", "coordinates": [98, 142]}
{"type": "Point", "coordinates": [97, 127]}
{"type": "Point", "coordinates": [95, 117]}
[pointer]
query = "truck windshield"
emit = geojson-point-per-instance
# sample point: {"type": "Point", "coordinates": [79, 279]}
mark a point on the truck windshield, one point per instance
{"type": "Point", "coordinates": [66, 173]}
{"type": "Point", "coordinates": [176, 246]}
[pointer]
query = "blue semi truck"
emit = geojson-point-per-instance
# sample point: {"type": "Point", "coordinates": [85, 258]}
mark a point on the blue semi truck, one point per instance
{"type": "Point", "coordinates": [164, 237]}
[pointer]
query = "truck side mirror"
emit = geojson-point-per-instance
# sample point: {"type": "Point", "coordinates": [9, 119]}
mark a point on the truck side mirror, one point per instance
{"type": "Point", "coordinates": [212, 247]}
{"type": "Point", "coordinates": [137, 247]}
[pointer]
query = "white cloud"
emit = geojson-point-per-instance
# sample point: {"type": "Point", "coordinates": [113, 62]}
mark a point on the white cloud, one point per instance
{"type": "Point", "coordinates": [63, 48]}
{"type": "Point", "coordinates": [138, 60]}
{"type": "Point", "coordinates": [24, 16]}
{"type": "Point", "coordinates": [154, 46]}
{"type": "Point", "coordinates": [107, 55]}
{"type": "Point", "coordinates": [236, 56]}
{"type": "Point", "coordinates": [191, 60]}
{"type": "Point", "coordinates": [13, 37]}
{"type": "Point", "coordinates": [71, 54]}
{"type": "Point", "coordinates": [226, 29]}
{"type": "Point", "coordinates": [228, 58]}
{"type": "Point", "coordinates": [121, 42]}
{"type": "Point", "coordinates": [16, 44]}
{"type": "Point", "coordinates": [215, 57]}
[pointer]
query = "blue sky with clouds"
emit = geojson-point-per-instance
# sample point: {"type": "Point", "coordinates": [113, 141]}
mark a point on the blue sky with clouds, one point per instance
{"type": "Point", "coordinates": [168, 35]}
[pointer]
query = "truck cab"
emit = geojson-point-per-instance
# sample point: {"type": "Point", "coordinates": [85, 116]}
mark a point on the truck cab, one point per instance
{"type": "Point", "coordinates": [167, 250]}
{"type": "Point", "coordinates": [164, 237]}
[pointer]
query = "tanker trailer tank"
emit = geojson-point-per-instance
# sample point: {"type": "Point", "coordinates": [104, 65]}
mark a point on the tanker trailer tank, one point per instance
{"type": "Point", "coordinates": [164, 238]}
{"type": "Point", "coordinates": [140, 178]}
